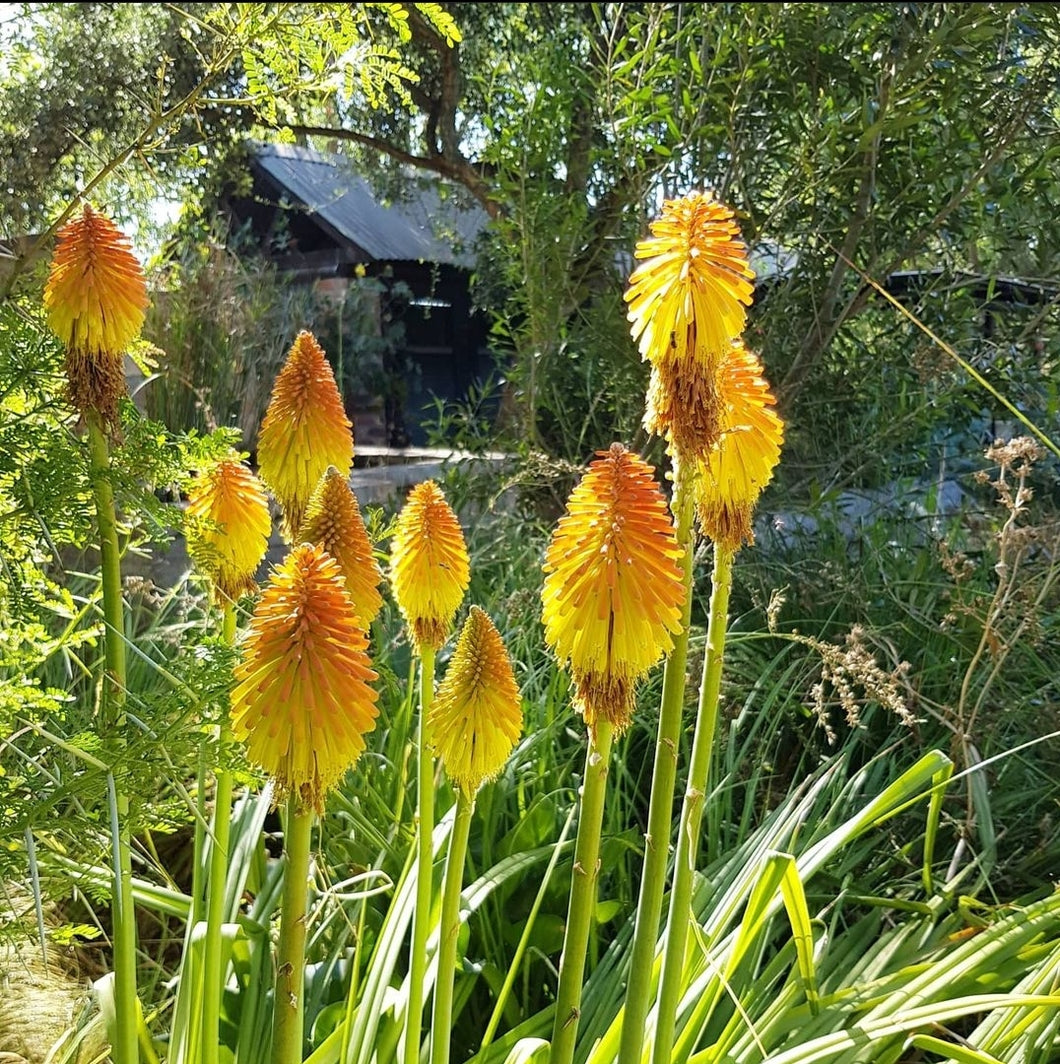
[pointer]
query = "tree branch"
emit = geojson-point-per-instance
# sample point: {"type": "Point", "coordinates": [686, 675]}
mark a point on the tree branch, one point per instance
{"type": "Point", "coordinates": [827, 318]}
{"type": "Point", "coordinates": [832, 316]}
{"type": "Point", "coordinates": [461, 171]}
{"type": "Point", "coordinates": [1003, 141]}
{"type": "Point", "coordinates": [442, 113]}
{"type": "Point", "coordinates": [425, 33]}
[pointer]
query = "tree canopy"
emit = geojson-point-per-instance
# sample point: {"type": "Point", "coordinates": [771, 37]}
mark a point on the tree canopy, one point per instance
{"type": "Point", "coordinates": [855, 141]}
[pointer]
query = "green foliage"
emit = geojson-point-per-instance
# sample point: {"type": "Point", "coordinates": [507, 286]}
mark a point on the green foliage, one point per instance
{"type": "Point", "coordinates": [809, 118]}
{"type": "Point", "coordinates": [952, 609]}
{"type": "Point", "coordinates": [75, 86]}
{"type": "Point", "coordinates": [53, 762]}
{"type": "Point", "coordinates": [827, 112]}
{"type": "Point", "coordinates": [312, 48]}
{"type": "Point", "coordinates": [816, 830]}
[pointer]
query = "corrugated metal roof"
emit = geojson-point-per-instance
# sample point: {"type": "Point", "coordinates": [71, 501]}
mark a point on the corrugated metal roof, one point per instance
{"type": "Point", "coordinates": [426, 228]}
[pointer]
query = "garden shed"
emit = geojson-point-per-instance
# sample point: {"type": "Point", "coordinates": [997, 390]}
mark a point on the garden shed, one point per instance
{"type": "Point", "coordinates": [395, 275]}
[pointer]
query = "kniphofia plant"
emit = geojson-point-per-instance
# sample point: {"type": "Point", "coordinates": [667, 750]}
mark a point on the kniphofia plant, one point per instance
{"type": "Point", "coordinates": [96, 296]}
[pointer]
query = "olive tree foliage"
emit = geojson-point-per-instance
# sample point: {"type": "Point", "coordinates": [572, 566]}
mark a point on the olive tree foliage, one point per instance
{"type": "Point", "coordinates": [875, 140]}
{"type": "Point", "coordinates": [131, 103]}
{"type": "Point", "coordinates": [556, 118]}
{"type": "Point", "coordinates": [854, 140]}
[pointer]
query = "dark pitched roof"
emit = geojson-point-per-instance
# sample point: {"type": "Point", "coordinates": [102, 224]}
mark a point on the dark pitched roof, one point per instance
{"type": "Point", "coordinates": [428, 227]}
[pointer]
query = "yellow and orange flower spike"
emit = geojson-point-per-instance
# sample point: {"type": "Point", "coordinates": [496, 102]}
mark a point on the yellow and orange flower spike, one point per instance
{"type": "Point", "coordinates": [429, 565]}
{"type": "Point", "coordinates": [333, 521]}
{"type": "Point", "coordinates": [689, 298]}
{"type": "Point", "coordinates": [227, 525]}
{"type": "Point", "coordinates": [613, 589]}
{"type": "Point", "coordinates": [95, 296]}
{"type": "Point", "coordinates": [741, 463]}
{"type": "Point", "coordinates": [304, 431]}
{"type": "Point", "coordinates": [302, 701]}
{"type": "Point", "coordinates": [476, 716]}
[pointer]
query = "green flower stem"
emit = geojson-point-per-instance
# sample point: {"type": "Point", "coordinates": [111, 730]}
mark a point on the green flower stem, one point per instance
{"type": "Point", "coordinates": [403, 726]}
{"type": "Point", "coordinates": [424, 863]}
{"type": "Point", "coordinates": [442, 1017]}
{"type": "Point", "coordinates": [197, 909]}
{"type": "Point", "coordinates": [222, 815]}
{"type": "Point", "coordinates": [661, 803]}
{"type": "Point", "coordinates": [670, 986]}
{"type": "Point", "coordinates": [582, 896]}
{"type": "Point", "coordinates": [290, 955]}
{"type": "Point", "coordinates": [125, 1048]}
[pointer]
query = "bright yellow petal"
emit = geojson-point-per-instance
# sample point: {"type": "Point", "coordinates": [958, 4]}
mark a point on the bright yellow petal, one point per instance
{"type": "Point", "coordinates": [688, 299]}
{"type": "Point", "coordinates": [738, 467]}
{"type": "Point", "coordinates": [95, 297]}
{"type": "Point", "coordinates": [227, 524]}
{"type": "Point", "coordinates": [429, 566]}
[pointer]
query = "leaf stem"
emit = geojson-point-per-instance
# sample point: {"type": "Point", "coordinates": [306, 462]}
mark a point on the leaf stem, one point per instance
{"type": "Point", "coordinates": [424, 863]}
{"type": "Point", "coordinates": [676, 939]}
{"type": "Point", "coordinates": [582, 896]}
{"type": "Point", "coordinates": [449, 933]}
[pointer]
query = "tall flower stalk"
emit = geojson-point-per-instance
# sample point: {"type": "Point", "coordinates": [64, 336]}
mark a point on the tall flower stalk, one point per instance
{"type": "Point", "coordinates": [583, 894]}
{"type": "Point", "coordinates": [475, 721]}
{"type": "Point", "coordinates": [421, 919]}
{"type": "Point", "coordinates": [687, 301]}
{"type": "Point", "coordinates": [663, 782]}
{"type": "Point", "coordinates": [227, 526]}
{"type": "Point", "coordinates": [125, 1047]}
{"type": "Point", "coordinates": [302, 703]}
{"type": "Point", "coordinates": [732, 475]}
{"type": "Point", "coordinates": [671, 983]}
{"type": "Point", "coordinates": [612, 598]}
{"type": "Point", "coordinates": [213, 972]}
{"type": "Point", "coordinates": [288, 1018]}
{"type": "Point", "coordinates": [96, 297]}
{"type": "Point", "coordinates": [429, 573]}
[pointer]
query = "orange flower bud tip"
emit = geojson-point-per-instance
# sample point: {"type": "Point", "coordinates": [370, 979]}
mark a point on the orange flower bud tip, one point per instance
{"type": "Point", "coordinates": [304, 431]}
{"type": "Point", "coordinates": [333, 521]}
